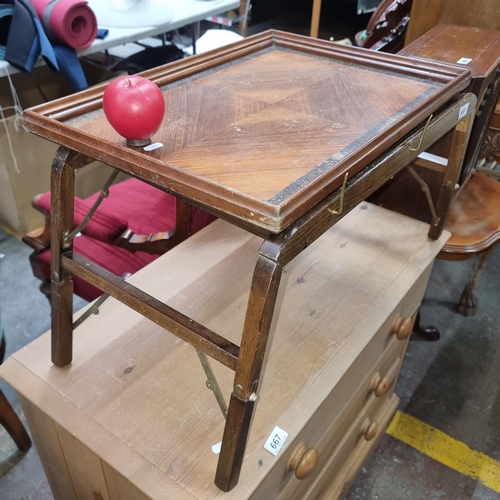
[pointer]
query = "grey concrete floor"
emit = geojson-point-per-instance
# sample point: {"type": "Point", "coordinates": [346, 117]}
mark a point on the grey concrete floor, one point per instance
{"type": "Point", "coordinates": [25, 316]}
{"type": "Point", "coordinates": [452, 385]}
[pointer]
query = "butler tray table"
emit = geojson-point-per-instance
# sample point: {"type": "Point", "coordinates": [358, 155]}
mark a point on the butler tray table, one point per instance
{"type": "Point", "coordinates": [279, 134]}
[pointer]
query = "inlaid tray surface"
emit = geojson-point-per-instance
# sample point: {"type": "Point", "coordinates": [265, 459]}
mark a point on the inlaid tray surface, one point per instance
{"type": "Point", "coordinates": [263, 130]}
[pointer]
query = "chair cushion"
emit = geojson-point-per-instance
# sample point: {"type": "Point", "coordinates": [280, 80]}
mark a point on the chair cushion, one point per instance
{"type": "Point", "coordinates": [133, 205]}
{"type": "Point", "coordinates": [103, 225]}
{"type": "Point", "coordinates": [115, 260]}
{"type": "Point", "coordinates": [146, 209]}
{"type": "Point", "coordinates": [198, 219]}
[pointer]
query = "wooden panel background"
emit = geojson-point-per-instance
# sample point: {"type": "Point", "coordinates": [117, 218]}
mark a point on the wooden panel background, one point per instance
{"type": "Point", "coordinates": [425, 14]}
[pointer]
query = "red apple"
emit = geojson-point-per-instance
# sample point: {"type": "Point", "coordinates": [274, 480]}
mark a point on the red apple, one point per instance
{"type": "Point", "coordinates": [134, 106]}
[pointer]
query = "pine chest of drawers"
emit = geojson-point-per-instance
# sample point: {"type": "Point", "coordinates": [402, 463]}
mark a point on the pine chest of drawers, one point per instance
{"type": "Point", "coordinates": [131, 417]}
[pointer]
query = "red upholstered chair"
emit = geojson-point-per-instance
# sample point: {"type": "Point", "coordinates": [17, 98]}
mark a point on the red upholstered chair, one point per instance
{"type": "Point", "coordinates": [133, 226]}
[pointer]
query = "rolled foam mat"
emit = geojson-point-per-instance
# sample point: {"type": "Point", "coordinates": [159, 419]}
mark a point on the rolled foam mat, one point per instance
{"type": "Point", "coordinates": [71, 22]}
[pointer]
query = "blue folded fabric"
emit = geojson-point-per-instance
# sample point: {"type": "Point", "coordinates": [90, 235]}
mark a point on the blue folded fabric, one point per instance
{"type": "Point", "coordinates": [2, 52]}
{"type": "Point", "coordinates": [46, 50]}
{"type": "Point", "coordinates": [27, 41]}
{"type": "Point", "coordinates": [70, 65]}
{"type": "Point", "coordinates": [102, 33]}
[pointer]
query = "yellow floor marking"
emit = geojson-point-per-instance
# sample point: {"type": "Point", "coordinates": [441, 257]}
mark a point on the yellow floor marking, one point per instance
{"type": "Point", "coordinates": [10, 231]}
{"type": "Point", "coordinates": [443, 448]}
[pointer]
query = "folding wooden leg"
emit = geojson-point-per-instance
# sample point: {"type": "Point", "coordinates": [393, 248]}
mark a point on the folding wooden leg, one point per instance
{"type": "Point", "coordinates": [263, 293]}
{"type": "Point", "coordinates": [62, 207]}
{"type": "Point", "coordinates": [452, 174]}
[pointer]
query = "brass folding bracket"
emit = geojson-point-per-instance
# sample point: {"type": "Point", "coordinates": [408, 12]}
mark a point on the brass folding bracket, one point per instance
{"type": "Point", "coordinates": [342, 192]}
{"type": "Point", "coordinates": [211, 382]}
{"type": "Point", "coordinates": [427, 191]}
{"type": "Point", "coordinates": [93, 309]}
{"type": "Point", "coordinates": [68, 236]}
{"type": "Point", "coordinates": [422, 135]}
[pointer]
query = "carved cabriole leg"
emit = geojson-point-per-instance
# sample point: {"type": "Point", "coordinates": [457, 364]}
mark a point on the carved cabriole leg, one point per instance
{"type": "Point", "coordinates": [62, 195]}
{"type": "Point", "coordinates": [490, 149]}
{"type": "Point", "coordinates": [263, 293]}
{"type": "Point", "coordinates": [452, 174]}
{"type": "Point", "coordinates": [468, 302]}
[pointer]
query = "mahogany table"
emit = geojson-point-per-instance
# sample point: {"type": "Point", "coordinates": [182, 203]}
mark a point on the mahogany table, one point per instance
{"type": "Point", "coordinates": [279, 134]}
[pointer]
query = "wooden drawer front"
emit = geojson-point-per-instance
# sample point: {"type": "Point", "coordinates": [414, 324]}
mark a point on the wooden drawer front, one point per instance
{"type": "Point", "coordinates": [367, 423]}
{"type": "Point", "coordinates": [332, 419]}
{"type": "Point", "coordinates": [351, 393]}
{"type": "Point", "coordinates": [364, 402]}
{"type": "Point", "coordinates": [333, 485]}
{"type": "Point", "coordinates": [284, 484]}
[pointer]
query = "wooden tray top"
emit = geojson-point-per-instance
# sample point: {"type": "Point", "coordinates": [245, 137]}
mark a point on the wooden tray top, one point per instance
{"type": "Point", "coordinates": [261, 131]}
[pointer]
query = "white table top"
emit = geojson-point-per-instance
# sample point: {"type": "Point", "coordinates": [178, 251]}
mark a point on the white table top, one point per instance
{"type": "Point", "coordinates": [185, 12]}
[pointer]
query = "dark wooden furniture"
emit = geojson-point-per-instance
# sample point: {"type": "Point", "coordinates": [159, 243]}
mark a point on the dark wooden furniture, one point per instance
{"type": "Point", "coordinates": [474, 222]}
{"type": "Point", "coordinates": [279, 134]}
{"type": "Point", "coordinates": [387, 27]}
{"type": "Point", "coordinates": [8, 417]}
{"type": "Point", "coordinates": [425, 14]}
{"type": "Point", "coordinates": [480, 50]}
{"type": "Point", "coordinates": [490, 149]}
{"type": "Point", "coordinates": [483, 14]}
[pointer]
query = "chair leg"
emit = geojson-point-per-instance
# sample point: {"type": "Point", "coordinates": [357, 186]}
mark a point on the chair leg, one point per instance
{"type": "Point", "coordinates": [468, 302]}
{"type": "Point", "coordinates": [429, 333]}
{"type": "Point", "coordinates": [12, 424]}
{"type": "Point", "coordinates": [3, 346]}
{"type": "Point", "coordinates": [36, 268]}
{"type": "Point", "coordinates": [8, 417]}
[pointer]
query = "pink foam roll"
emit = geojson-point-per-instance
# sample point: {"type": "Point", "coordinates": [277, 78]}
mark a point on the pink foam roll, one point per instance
{"type": "Point", "coordinates": [71, 22]}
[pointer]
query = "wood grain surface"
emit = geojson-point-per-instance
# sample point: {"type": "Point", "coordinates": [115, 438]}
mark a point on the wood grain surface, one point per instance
{"type": "Point", "coordinates": [135, 395]}
{"type": "Point", "coordinates": [265, 127]}
{"type": "Point", "coordinates": [425, 14]}
{"type": "Point", "coordinates": [451, 43]}
{"type": "Point", "coordinates": [474, 219]}
{"type": "Point", "coordinates": [260, 126]}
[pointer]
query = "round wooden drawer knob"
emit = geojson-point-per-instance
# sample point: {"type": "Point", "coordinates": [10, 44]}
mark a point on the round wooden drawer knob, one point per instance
{"type": "Point", "coordinates": [402, 327]}
{"type": "Point", "coordinates": [375, 381]}
{"type": "Point", "coordinates": [302, 461]}
{"type": "Point", "coordinates": [369, 429]}
{"type": "Point", "coordinates": [382, 387]}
